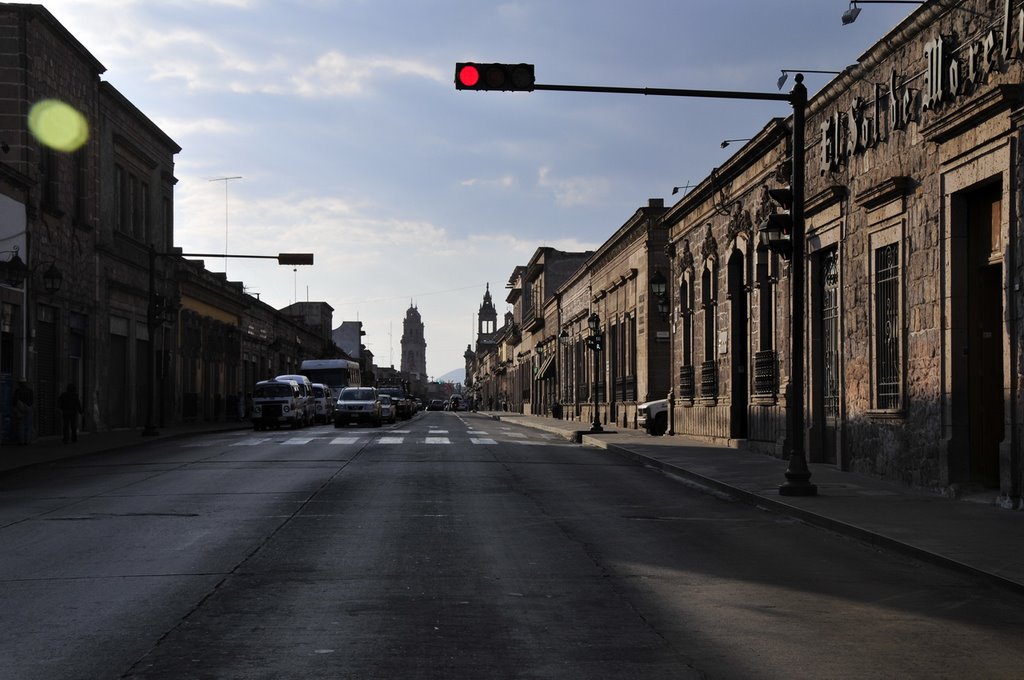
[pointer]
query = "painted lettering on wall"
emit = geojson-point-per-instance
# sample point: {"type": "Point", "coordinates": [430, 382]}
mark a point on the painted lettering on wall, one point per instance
{"type": "Point", "coordinates": [950, 72]}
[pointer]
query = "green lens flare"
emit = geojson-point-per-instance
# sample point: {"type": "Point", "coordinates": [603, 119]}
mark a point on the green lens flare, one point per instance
{"type": "Point", "coordinates": [58, 125]}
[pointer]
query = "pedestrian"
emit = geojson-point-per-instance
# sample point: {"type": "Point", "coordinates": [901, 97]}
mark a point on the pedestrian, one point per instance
{"type": "Point", "coordinates": [22, 412]}
{"type": "Point", "coordinates": [70, 407]}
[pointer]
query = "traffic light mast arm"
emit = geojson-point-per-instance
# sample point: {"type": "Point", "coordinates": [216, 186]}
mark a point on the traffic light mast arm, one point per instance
{"type": "Point", "coordinates": [669, 92]}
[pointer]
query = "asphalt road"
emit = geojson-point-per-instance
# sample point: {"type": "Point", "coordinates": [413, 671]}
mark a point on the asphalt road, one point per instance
{"type": "Point", "coordinates": [453, 546]}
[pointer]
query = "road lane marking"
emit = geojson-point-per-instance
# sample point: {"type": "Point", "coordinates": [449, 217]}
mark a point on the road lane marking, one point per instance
{"type": "Point", "coordinates": [482, 440]}
{"type": "Point", "coordinates": [437, 440]}
{"type": "Point", "coordinates": [345, 440]}
{"type": "Point", "coordinates": [297, 441]}
{"type": "Point", "coordinates": [391, 440]}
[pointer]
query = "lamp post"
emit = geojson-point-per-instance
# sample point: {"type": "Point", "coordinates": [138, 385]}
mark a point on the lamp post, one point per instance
{"type": "Point", "coordinates": [595, 341]}
{"type": "Point", "coordinates": [158, 309]}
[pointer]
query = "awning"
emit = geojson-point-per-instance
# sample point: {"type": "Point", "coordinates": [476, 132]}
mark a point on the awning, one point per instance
{"type": "Point", "coordinates": [547, 368]}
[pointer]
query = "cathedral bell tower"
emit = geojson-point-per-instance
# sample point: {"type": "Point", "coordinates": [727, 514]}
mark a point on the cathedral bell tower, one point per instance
{"type": "Point", "coordinates": [414, 347]}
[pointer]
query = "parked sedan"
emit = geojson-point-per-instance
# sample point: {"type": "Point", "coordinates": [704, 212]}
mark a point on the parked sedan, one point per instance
{"type": "Point", "coordinates": [436, 405]}
{"type": "Point", "coordinates": [387, 408]}
{"type": "Point", "coordinates": [357, 404]}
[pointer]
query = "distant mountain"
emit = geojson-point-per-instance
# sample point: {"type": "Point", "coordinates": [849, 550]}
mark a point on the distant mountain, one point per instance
{"type": "Point", "coordinates": [456, 376]}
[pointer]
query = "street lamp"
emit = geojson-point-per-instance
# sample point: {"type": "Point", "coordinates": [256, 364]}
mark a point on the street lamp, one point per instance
{"type": "Point", "coordinates": [594, 342]}
{"type": "Point", "coordinates": [786, 71]}
{"type": "Point", "coordinates": [727, 142]}
{"type": "Point", "coordinates": [659, 288]}
{"type": "Point", "coordinates": [851, 14]}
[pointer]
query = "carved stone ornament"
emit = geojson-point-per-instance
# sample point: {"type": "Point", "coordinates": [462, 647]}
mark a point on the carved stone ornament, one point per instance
{"type": "Point", "coordinates": [709, 249]}
{"type": "Point", "coordinates": [686, 257]}
{"type": "Point", "coordinates": [740, 223]}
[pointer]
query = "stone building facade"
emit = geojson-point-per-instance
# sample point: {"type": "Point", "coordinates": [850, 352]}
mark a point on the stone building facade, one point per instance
{"type": "Point", "coordinates": [915, 187]}
{"type": "Point", "coordinates": [914, 311]}
{"type": "Point", "coordinates": [729, 306]}
{"type": "Point", "coordinates": [92, 291]}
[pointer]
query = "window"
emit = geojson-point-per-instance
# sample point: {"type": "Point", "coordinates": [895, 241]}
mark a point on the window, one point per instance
{"type": "Point", "coordinates": [120, 199]}
{"type": "Point", "coordinates": [134, 207]}
{"type": "Point", "coordinates": [887, 331]}
{"type": "Point", "coordinates": [686, 322]}
{"type": "Point", "coordinates": [143, 225]}
{"type": "Point", "coordinates": [81, 179]}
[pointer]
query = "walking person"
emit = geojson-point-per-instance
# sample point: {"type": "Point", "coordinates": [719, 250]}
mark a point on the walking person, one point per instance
{"type": "Point", "coordinates": [70, 408]}
{"type": "Point", "coordinates": [22, 412]}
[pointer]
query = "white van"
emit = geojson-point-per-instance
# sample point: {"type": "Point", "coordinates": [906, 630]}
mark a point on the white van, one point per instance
{"type": "Point", "coordinates": [324, 403]}
{"type": "Point", "coordinates": [276, 403]}
{"type": "Point", "coordinates": [306, 390]}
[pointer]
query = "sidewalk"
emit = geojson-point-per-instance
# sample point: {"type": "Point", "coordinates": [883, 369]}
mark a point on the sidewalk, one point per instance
{"type": "Point", "coordinates": [975, 538]}
{"type": "Point", "coordinates": [48, 449]}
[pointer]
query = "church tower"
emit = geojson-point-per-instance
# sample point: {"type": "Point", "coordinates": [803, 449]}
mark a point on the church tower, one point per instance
{"type": "Point", "coordinates": [414, 347]}
{"type": "Point", "coordinates": [487, 321]}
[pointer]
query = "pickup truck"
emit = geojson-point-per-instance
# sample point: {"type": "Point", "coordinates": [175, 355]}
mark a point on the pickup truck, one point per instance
{"type": "Point", "coordinates": [653, 416]}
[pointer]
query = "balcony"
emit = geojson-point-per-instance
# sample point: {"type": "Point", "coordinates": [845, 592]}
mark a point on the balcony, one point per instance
{"type": "Point", "coordinates": [766, 373]}
{"type": "Point", "coordinates": [687, 386]}
{"type": "Point", "coordinates": [709, 380]}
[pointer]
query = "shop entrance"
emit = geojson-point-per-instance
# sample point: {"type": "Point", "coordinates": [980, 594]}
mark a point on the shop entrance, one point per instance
{"type": "Point", "coordinates": [978, 384]}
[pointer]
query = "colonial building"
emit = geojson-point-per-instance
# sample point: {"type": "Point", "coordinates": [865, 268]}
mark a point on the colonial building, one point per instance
{"type": "Point", "coordinates": [912, 324]}
{"type": "Point", "coordinates": [92, 290]}
{"type": "Point", "coordinates": [622, 288]}
{"type": "Point", "coordinates": [915, 250]}
{"type": "Point", "coordinates": [729, 311]}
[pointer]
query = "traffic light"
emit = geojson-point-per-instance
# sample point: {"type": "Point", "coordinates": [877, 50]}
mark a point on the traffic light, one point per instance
{"type": "Point", "coordinates": [295, 258]}
{"type": "Point", "coordinates": [505, 77]}
{"type": "Point", "coordinates": [776, 231]}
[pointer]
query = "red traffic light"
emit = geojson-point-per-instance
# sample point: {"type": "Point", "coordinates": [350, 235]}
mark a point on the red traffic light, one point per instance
{"type": "Point", "coordinates": [466, 76]}
{"type": "Point", "coordinates": [504, 77]}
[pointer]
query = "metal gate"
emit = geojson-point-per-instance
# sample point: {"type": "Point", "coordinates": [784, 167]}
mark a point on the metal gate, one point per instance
{"type": "Point", "coordinates": [830, 336]}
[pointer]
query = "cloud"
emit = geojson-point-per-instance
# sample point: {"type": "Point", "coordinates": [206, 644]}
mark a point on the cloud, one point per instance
{"type": "Point", "coordinates": [335, 73]}
{"type": "Point", "coordinates": [216, 126]}
{"type": "Point", "coordinates": [573, 191]}
{"type": "Point", "coordinates": [504, 182]}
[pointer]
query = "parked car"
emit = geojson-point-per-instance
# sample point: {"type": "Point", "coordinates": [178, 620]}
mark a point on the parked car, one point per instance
{"type": "Point", "coordinates": [401, 400]}
{"type": "Point", "coordinates": [653, 417]}
{"type": "Point", "coordinates": [276, 403]}
{"type": "Point", "coordinates": [357, 404]}
{"type": "Point", "coordinates": [387, 408]}
{"type": "Point", "coordinates": [323, 403]}
{"type": "Point", "coordinates": [436, 405]}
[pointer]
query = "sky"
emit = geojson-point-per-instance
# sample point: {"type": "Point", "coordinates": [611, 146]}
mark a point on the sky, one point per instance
{"type": "Point", "coordinates": [342, 128]}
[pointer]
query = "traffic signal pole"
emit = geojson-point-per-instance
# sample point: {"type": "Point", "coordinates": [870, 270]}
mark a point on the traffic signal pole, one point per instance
{"type": "Point", "coordinates": [797, 474]}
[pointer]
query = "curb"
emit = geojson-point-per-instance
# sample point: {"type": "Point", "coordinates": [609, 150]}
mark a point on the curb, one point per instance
{"type": "Point", "coordinates": [815, 519]}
